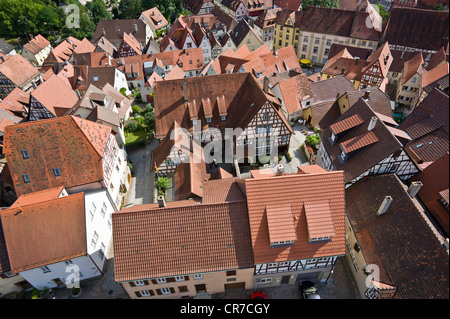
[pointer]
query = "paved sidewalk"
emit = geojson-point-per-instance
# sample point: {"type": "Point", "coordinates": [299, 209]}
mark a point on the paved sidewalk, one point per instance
{"type": "Point", "coordinates": [339, 286]}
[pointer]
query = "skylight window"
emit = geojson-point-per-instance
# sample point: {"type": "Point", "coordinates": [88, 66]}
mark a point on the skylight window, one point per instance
{"type": "Point", "coordinates": [25, 154]}
{"type": "Point", "coordinates": [26, 178]}
{"type": "Point", "coordinates": [57, 172]}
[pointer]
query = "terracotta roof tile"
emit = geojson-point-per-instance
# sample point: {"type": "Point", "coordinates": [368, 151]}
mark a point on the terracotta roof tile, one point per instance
{"type": "Point", "coordinates": [30, 232]}
{"type": "Point", "coordinates": [63, 143]}
{"type": "Point", "coordinates": [435, 178]}
{"type": "Point", "coordinates": [296, 190]}
{"type": "Point", "coordinates": [18, 70]}
{"type": "Point", "coordinates": [319, 219]}
{"type": "Point", "coordinates": [416, 28]}
{"type": "Point", "coordinates": [358, 142]}
{"type": "Point", "coordinates": [45, 94]}
{"type": "Point", "coordinates": [184, 240]}
{"type": "Point", "coordinates": [400, 242]}
{"type": "Point", "coordinates": [347, 123]}
{"type": "Point", "coordinates": [281, 224]}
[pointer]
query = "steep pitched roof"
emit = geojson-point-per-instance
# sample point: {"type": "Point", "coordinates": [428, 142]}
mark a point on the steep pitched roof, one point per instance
{"type": "Point", "coordinates": [155, 17]}
{"type": "Point", "coordinates": [173, 248]}
{"type": "Point", "coordinates": [18, 70]}
{"type": "Point", "coordinates": [73, 145]}
{"type": "Point", "coordinates": [428, 125]}
{"type": "Point", "coordinates": [399, 242]}
{"type": "Point", "coordinates": [228, 94]}
{"type": "Point", "coordinates": [36, 44]}
{"type": "Point", "coordinates": [114, 29]}
{"type": "Point", "coordinates": [435, 179]}
{"type": "Point", "coordinates": [366, 157]}
{"type": "Point", "coordinates": [416, 28]}
{"type": "Point", "coordinates": [30, 232]}
{"type": "Point", "coordinates": [297, 191]}
{"type": "Point", "coordinates": [65, 99]}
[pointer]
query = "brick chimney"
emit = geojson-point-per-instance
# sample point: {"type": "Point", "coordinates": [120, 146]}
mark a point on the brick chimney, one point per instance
{"type": "Point", "coordinates": [266, 85]}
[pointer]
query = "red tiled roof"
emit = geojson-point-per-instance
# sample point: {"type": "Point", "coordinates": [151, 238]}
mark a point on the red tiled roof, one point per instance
{"type": "Point", "coordinates": [18, 70]}
{"type": "Point", "coordinates": [72, 144]}
{"type": "Point", "coordinates": [319, 218]}
{"type": "Point", "coordinates": [184, 240]}
{"type": "Point", "coordinates": [435, 179]}
{"type": "Point", "coordinates": [30, 232]}
{"type": "Point", "coordinates": [399, 242]}
{"type": "Point", "coordinates": [36, 44]}
{"type": "Point", "coordinates": [296, 190]}
{"type": "Point", "coordinates": [45, 94]}
{"type": "Point", "coordinates": [39, 196]}
{"type": "Point", "coordinates": [347, 124]}
{"type": "Point", "coordinates": [280, 222]}
{"type": "Point", "coordinates": [358, 142]}
{"type": "Point", "coordinates": [310, 169]}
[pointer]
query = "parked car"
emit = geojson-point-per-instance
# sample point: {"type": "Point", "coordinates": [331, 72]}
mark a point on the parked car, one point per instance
{"type": "Point", "coordinates": [258, 295]}
{"type": "Point", "coordinates": [308, 290]}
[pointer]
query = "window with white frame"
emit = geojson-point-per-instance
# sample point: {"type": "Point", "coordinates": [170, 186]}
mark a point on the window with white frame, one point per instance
{"type": "Point", "coordinates": [145, 293]}
{"type": "Point", "coordinates": [198, 276]}
{"type": "Point", "coordinates": [165, 291]}
{"type": "Point", "coordinates": [94, 239]}
{"type": "Point", "coordinates": [161, 280]}
{"type": "Point", "coordinates": [179, 278]}
{"type": "Point", "coordinates": [266, 280]}
{"type": "Point", "coordinates": [139, 283]}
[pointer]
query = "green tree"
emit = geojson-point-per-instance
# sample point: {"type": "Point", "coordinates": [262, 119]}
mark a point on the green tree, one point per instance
{"type": "Point", "coordinates": [149, 121]}
{"type": "Point", "coordinates": [130, 9]}
{"type": "Point", "coordinates": [162, 184]}
{"type": "Point", "coordinates": [320, 3]}
{"type": "Point", "coordinates": [97, 11]}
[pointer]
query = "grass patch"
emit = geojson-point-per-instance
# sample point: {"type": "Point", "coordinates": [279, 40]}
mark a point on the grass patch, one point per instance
{"type": "Point", "coordinates": [131, 137]}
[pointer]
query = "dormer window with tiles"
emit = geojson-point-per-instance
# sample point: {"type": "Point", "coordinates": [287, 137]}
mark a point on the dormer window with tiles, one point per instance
{"type": "Point", "coordinates": [281, 223]}
{"type": "Point", "coordinates": [319, 219]}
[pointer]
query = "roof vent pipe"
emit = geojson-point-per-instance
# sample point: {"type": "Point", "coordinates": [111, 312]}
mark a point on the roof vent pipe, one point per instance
{"type": "Point", "coordinates": [372, 123]}
{"type": "Point", "coordinates": [384, 205]}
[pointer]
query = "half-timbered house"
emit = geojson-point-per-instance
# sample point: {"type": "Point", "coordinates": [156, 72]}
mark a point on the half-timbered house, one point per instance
{"type": "Point", "coordinates": [297, 226]}
{"type": "Point", "coordinates": [129, 46]}
{"type": "Point", "coordinates": [67, 151]}
{"type": "Point", "coordinates": [228, 108]}
{"type": "Point", "coordinates": [362, 142]}
{"type": "Point", "coordinates": [16, 72]}
{"type": "Point", "coordinates": [45, 104]}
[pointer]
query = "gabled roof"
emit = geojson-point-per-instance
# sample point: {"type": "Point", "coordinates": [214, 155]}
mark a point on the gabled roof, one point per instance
{"type": "Point", "coordinates": [18, 70]}
{"type": "Point", "coordinates": [15, 101]}
{"type": "Point", "coordinates": [222, 90]}
{"type": "Point", "coordinates": [296, 191]}
{"type": "Point", "coordinates": [173, 248]}
{"type": "Point", "coordinates": [73, 145]}
{"type": "Point", "coordinates": [435, 180]}
{"type": "Point", "coordinates": [57, 104]}
{"type": "Point", "coordinates": [155, 18]}
{"type": "Point", "coordinates": [63, 51]}
{"type": "Point", "coordinates": [371, 153]}
{"type": "Point", "coordinates": [417, 28]}
{"type": "Point", "coordinates": [36, 44]}
{"type": "Point", "coordinates": [30, 232]}
{"type": "Point", "coordinates": [399, 242]}
{"type": "Point", "coordinates": [428, 125]}
{"type": "Point", "coordinates": [115, 28]}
